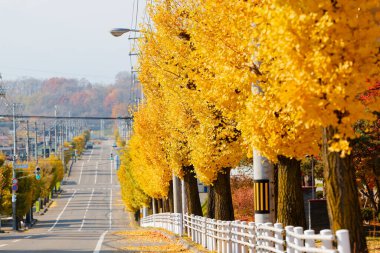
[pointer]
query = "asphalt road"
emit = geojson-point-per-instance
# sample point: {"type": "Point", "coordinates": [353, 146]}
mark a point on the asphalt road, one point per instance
{"type": "Point", "coordinates": [84, 216]}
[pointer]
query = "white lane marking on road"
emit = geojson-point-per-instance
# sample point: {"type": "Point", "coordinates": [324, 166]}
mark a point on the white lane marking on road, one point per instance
{"type": "Point", "coordinates": [100, 242]}
{"type": "Point", "coordinates": [88, 205]}
{"type": "Point", "coordinates": [89, 158]}
{"type": "Point", "coordinates": [59, 216]}
{"type": "Point", "coordinates": [3, 245]}
{"type": "Point", "coordinates": [28, 237]}
{"type": "Point", "coordinates": [96, 171]}
{"type": "Point", "coordinates": [16, 240]}
{"type": "Point", "coordinates": [111, 170]}
{"type": "Point", "coordinates": [80, 176]}
{"type": "Point", "coordinates": [111, 209]}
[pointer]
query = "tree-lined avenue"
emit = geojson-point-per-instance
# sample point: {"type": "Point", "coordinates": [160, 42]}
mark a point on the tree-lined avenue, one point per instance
{"type": "Point", "coordinates": [80, 218]}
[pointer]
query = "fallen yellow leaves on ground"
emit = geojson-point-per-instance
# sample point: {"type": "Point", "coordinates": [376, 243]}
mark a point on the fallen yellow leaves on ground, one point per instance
{"type": "Point", "coordinates": [150, 241]}
{"type": "Point", "coordinates": [373, 244]}
{"type": "Point", "coordinates": [161, 248]}
{"type": "Point", "coordinates": [143, 236]}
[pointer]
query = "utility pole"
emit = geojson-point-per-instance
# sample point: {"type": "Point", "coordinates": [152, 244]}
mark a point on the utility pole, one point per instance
{"type": "Point", "coordinates": [50, 142]}
{"type": "Point", "coordinates": [27, 142]}
{"type": "Point", "coordinates": [14, 216]}
{"type": "Point", "coordinates": [263, 175]}
{"type": "Point", "coordinates": [36, 143]}
{"type": "Point", "coordinates": [66, 131]}
{"type": "Point", "coordinates": [44, 147]}
{"type": "Point", "coordinates": [62, 144]}
{"type": "Point", "coordinates": [55, 132]}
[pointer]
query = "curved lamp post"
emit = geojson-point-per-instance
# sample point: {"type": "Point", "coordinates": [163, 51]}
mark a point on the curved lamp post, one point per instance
{"type": "Point", "coordinates": [120, 31]}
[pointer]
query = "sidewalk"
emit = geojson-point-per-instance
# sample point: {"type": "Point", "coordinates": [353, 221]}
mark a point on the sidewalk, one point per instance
{"type": "Point", "coordinates": [150, 240]}
{"type": "Point", "coordinates": [7, 228]}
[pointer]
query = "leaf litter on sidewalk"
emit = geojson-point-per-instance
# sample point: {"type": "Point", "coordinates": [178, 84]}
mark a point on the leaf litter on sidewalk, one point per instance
{"type": "Point", "coordinates": [149, 241]}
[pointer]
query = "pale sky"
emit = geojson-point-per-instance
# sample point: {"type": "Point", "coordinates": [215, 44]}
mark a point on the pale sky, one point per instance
{"type": "Point", "coordinates": [66, 38]}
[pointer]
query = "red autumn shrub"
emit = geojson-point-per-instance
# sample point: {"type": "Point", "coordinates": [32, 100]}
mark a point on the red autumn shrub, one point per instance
{"type": "Point", "coordinates": [242, 197]}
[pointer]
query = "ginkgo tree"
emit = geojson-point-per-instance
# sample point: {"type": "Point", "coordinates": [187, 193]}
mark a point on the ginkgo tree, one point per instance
{"type": "Point", "coordinates": [148, 163]}
{"type": "Point", "coordinates": [316, 59]}
{"type": "Point", "coordinates": [159, 76]}
{"type": "Point", "coordinates": [211, 136]}
{"type": "Point", "coordinates": [225, 50]}
{"type": "Point", "coordinates": [132, 195]}
{"type": "Point", "coordinates": [274, 72]}
{"type": "Point", "coordinates": [5, 186]}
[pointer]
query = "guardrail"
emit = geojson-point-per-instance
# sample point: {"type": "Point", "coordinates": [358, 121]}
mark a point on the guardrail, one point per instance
{"type": "Point", "coordinates": [243, 237]}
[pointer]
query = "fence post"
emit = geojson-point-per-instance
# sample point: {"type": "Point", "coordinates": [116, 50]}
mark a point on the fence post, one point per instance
{"type": "Point", "coordinates": [180, 224]}
{"type": "Point", "coordinates": [172, 218]}
{"type": "Point", "coordinates": [222, 234]}
{"type": "Point", "coordinates": [252, 238]}
{"type": "Point", "coordinates": [269, 233]}
{"type": "Point", "coordinates": [259, 233]}
{"type": "Point", "coordinates": [192, 225]}
{"type": "Point", "coordinates": [199, 229]}
{"type": "Point", "coordinates": [229, 237]}
{"type": "Point", "coordinates": [326, 244]}
{"type": "Point", "coordinates": [204, 232]}
{"type": "Point", "coordinates": [289, 239]}
{"type": "Point", "coordinates": [279, 236]}
{"type": "Point", "coordinates": [242, 230]}
{"type": "Point", "coordinates": [298, 241]}
{"type": "Point", "coordinates": [208, 237]}
{"type": "Point", "coordinates": [309, 243]}
{"type": "Point", "coordinates": [214, 234]}
{"type": "Point", "coordinates": [234, 236]}
{"type": "Point", "coordinates": [343, 240]}
{"type": "Point", "coordinates": [188, 224]}
{"type": "Point", "coordinates": [219, 226]}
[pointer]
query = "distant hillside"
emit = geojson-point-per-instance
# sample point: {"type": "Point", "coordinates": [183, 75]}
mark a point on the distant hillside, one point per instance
{"type": "Point", "coordinates": [79, 97]}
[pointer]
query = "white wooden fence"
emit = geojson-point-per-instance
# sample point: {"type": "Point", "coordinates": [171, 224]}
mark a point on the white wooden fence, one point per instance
{"type": "Point", "coordinates": [243, 237]}
{"type": "Point", "coordinates": [168, 221]}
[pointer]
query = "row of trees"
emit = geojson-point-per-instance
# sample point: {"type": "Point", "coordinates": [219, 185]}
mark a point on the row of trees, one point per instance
{"type": "Point", "coordinates": [30, 189]}
{"type": "Point", "coordinates": [286, 78]}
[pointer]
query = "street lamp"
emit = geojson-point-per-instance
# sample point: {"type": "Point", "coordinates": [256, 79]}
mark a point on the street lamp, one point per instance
{"type": "Point", "coordinates": [117, 32]}
{"type": "Point", "coordinates": [120, 31]}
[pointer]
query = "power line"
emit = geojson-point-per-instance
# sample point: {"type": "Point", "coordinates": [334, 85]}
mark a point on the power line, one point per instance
{"type": "Point", "coordinates": [65, 117]}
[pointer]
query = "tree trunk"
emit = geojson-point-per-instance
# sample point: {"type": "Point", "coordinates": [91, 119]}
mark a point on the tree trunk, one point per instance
{"type": "Point", "coordinates": [376, 170]}
{"type": "Point", "coordinates": [159, 204]}
{"type": "Point", "coordinates": [192, 194]}
{"type": "Point", "coordinates": [291, 210]}
{"type": "Point", "coordinates": [275, 189]}
{"type": "Point", "coordinates": [170, 198]}
{"type": "Point", "coordinates": [211, 203]}
{"type": "Point", "coordinates": [224, 209]}
{"type": "Point", "coordinates": [342, 194]}
{"type": "Point", "coordinates": [27, 218]}
{"type": "Point", "coordinates": [165, 204]}
{"type": "Point", "coordinates": [155, 206]}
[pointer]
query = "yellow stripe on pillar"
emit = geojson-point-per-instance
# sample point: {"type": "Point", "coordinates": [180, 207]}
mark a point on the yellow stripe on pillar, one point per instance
{"type": "Point", "coordinates": [261, 195]}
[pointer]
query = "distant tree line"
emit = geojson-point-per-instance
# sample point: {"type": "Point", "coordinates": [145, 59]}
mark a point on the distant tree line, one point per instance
{"type": "Point", "coordinates": [77, 96]}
